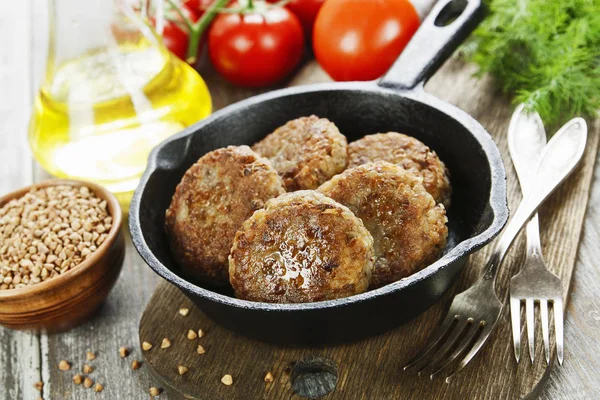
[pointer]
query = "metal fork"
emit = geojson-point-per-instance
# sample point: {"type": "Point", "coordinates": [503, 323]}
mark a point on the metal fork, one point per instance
{"type": "Point", "coordinates": [535, 283]}
{"type": "Point", "coordinates": [475, 312]}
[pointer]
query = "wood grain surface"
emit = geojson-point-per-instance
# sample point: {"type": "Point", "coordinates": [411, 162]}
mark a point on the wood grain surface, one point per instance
{"type": "Point", "coordinates": [26, 358]}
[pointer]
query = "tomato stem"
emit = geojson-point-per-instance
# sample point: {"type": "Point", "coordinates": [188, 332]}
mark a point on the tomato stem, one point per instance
{"type": "Point", "coordinates": [180, 13]}
{"type": "Point", "coordinates": [198, 29]}
{"type": "Point", "coordinates": [184, 18]}
{"type": "Point", "coordinates": [250, 4]}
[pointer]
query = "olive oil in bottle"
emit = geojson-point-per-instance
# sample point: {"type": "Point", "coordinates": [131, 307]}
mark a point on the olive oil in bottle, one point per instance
{"type": "Point", "coordinates": [102, 109]}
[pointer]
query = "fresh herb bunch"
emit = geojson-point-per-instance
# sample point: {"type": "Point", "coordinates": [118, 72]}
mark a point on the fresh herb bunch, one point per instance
{"type": "Point", "coordinates": [544, 52]}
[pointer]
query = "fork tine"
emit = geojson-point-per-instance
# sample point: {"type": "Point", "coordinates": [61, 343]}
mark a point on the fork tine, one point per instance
{"type": "Point", "coordinates": [515, 316]}
{"type": "Point", "coordinates": [530, 322]}
{"type": "Point", "coordinates": [452, 339]}
{"type": "Point", "coordinates": [545, 334]}
{"type": "Point", "coordinates": [468, 339]}
{"type": "Point", "coordinates": [436, 338]}
{"type": "Point", "coordinates": [557, 305]}
{"type": "Point", "coordinates": [530, 325]}
{"type": "Point", "coordinates": [485, 332]}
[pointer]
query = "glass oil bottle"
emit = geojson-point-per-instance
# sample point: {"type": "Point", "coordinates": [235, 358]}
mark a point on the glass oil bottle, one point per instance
{"type": "Point", "coordinates": [111, 93]}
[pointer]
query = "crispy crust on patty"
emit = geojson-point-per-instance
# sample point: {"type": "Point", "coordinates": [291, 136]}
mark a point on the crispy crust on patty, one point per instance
{"type": "Point", "coordinates": [407, 152]}
{"type": "Point", "coordinates": [302, 247]}
{"type": "Point", "coordinates": [215, 196]}
{"type": "Point", "coordinates": [408, 228]}
{"type": "Point", "coordinates": [306, 152]}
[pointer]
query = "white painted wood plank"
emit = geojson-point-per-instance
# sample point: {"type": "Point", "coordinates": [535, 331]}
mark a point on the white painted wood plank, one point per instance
{"type": "Point", "coordinates": [39, 51]}
{"type": "Point", "coordinates": [19, 365]}
{"type": "Point", "coordinates": [39, 42]}
{"type": "Point", "coordinates": [15, 94]}
{"type": "Point", "coordinates": [19, 352]}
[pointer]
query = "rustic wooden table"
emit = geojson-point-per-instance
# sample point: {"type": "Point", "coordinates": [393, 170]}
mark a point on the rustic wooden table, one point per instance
{"type": "Point", "coordinates": [26, 358]}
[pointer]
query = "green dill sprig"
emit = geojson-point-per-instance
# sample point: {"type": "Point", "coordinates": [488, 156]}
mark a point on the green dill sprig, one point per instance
{"type": "Point", "coordinates": [546, 53]}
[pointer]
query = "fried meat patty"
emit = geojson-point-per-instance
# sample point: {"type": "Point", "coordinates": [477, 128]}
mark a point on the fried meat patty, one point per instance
{"type": "Point", "coordinates": [306, 152]}
{"type": "Point", "coordinates": [302, 247]}
{"type": "Point", "coordinates": [215, 196]}
{"type": "Point", "coordinates": [408, 228]}
{"type": "Point", "coordinates": [407, 152]}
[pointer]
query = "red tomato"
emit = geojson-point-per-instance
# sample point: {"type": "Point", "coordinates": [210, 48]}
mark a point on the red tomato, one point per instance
{"type": "Point", "coordinates": [360, 40]}
{"type": "Point", "coordinates": [191, 12]}
{"type": "Point", "coordinates": [306, 11]}
{"type": "Point", "coordinates": [256, 48]}
{"type": "Point", "coordinates": [175, 38]}
{"type": "Point", "coordinates": [199, 6]}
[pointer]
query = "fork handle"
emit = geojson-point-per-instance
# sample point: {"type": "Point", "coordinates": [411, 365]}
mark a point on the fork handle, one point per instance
{"type": "Point", "coordinates": [526, 142]}
{"type": "Point", "coordinates": [561, 155]}
{"type": "Point", "coordinates": [534, 246]}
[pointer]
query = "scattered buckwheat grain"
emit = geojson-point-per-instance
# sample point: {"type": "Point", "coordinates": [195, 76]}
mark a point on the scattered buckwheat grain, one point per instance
{"type": "Point", "coordinates": [87, 382]}
{"type": "Point", "coordinates": [182, 370]}
{"type": "Point", "coordinates": [165, 343]}
{"type": "Point", "coordinates": [154, 391]}
{"type": "Point", "coordinates": [200, 349]}
{"type": "Point", "coordinates": [227, 380]}
{"type": "Point", "coordinates": [64, 365]}
{"type": "Point", "coordinates": [39, 386]}
{"type": "Point", "coordinates": [146, 346]}
{"type": "Point", "coordinates": [90, 356]}
{"type": "Point", "coordinates": [184, 311]}
{"type": "Point", "coordinates": [123, 351]}
{"type": "Point", "coordinates": [77, 379]}
{"type": "Point", "coordinates": [98, 388]}
{"type": "Point", "coordinates": [136, 365]}
{"type": "Point", "coordinates": [269, 377]}
{"type": "Point", "coordinates": [192, 334]}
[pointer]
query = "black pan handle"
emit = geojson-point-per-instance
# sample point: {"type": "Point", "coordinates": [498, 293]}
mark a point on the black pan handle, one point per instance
{"type": "Point", "coordinates": [446, 26]}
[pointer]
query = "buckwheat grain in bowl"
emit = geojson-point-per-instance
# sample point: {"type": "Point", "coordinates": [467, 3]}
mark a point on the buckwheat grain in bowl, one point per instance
{"type": "Point", "coordinates": [61, 250]}
{"type": "Point", "coordinates": [49, 231]}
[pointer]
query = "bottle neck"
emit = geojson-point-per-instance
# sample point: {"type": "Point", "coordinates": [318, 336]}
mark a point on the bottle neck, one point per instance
{"type": "Point", "coordinates": [99, 50]}
{"type": "Point", "coordinates": [78, 27]}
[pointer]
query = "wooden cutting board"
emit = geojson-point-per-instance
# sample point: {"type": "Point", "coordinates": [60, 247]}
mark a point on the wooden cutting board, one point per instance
{"type": "Point", "coordinates": [372, 368]}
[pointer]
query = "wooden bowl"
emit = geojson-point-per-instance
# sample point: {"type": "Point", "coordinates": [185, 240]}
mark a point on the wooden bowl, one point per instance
{"type": "Point", "coordinates": [69, 299]}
